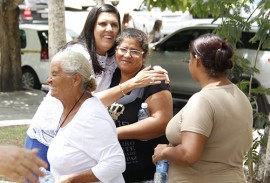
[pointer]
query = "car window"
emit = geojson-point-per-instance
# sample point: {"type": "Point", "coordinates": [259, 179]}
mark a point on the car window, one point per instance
{"type": "Point", "coordinates": [43, 37]}
{"type": "Point", "coordinates": [245, 42]}
{"type": "Point", "coordinates": [180, 41]}
{"type": "Point", "coordinates": [71, 35]}
{"type": "Point", "coordinates": [23, 38]}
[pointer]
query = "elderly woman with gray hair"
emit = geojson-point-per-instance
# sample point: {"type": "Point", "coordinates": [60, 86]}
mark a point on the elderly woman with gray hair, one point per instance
{"type": "Point", "coordinates": [85, 148]}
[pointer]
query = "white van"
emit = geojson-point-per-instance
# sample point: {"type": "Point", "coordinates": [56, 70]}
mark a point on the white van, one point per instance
{"type": "Point", "coordinates": [34, 54]}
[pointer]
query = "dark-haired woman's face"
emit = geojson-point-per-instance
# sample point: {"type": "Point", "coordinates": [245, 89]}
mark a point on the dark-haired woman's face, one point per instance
{"type": "Point", "coordinates": [129, 56]}
{"type": "Point", "coordinates": [192, 66]}
{"type": "Point", "coordinates": [105, 32]}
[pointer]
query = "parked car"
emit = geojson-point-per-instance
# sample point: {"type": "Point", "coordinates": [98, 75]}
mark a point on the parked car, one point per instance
{"type": "Point", "coordinates": [36, 11]}
{"type": "Point", "coordinates": [34, 54]}
{"type": "Point", "coordinates": [79, 4]}
{"type": "Point", "coordinates": [172, 53]}
{"type": "Point", "coordinates": [171, 21]}
{"type": "Point", "coordinates": [33, 12]}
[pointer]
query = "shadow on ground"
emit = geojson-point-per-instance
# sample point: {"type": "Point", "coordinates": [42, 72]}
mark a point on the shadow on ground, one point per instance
{"type": "Point", "coordinates": [19, 104]}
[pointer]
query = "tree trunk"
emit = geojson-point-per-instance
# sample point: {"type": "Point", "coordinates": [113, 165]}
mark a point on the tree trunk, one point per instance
{"type": "Point", "coordinates": [57, 29]}
{"type": "Point", "coordinates": [10, 54]}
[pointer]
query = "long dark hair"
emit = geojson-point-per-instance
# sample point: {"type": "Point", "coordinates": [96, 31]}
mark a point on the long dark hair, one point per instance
{"type": "Point", "coordinates": [157, 26]}
{"type": "Point", "coordinates": [86, 38]}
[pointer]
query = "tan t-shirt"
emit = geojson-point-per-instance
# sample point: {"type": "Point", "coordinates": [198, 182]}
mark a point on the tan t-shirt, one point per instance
{"type": "Point", "coordinates": [224, 115]}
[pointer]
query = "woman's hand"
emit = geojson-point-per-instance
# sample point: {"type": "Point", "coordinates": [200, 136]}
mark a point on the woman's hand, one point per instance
{"type": "Point", "coordinates": [64, 179]}
{"type": "Point", "coordinates": [148, 77]}
{"type": "Point", "coordinates": [158, 68]}
{"type": "Point", "coordinates": [158, 153]}
{"type": "Point", "coordinates": [18, 163]}
{"type": "Point", "coordinates": [82, 177]}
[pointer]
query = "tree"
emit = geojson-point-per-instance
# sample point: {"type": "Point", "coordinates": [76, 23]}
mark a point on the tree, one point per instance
{"type": "Point", "coordinates": [10, 57]}
{"type": "Point", "coordinates": [232, 25]}
{"type": "Point", "coordinates": [57, 30]}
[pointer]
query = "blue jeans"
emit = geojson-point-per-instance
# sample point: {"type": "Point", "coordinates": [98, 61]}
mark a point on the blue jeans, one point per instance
{"type": "Point", "coordinates": [42, 149]}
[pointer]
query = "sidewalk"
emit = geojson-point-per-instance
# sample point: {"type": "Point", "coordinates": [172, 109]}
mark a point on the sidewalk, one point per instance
{"type": "Point", "coordinates": [19, 107]}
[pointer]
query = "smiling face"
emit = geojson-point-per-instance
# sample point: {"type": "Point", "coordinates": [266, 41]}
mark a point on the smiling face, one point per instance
{"type": "Point", "coordinates": [58, 81]}
{"type": "Point", "coordinates": [105, 32]}
{"type": "Point", "coordinates": [127, 63]}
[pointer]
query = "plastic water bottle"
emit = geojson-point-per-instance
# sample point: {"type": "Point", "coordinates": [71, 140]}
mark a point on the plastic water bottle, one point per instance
{"type": "Point", "coordinates": [48, 178]}
{"type": "Point", "coordinates": [143, 112]}
{"type": "Point", "coordinates": [161, 174]}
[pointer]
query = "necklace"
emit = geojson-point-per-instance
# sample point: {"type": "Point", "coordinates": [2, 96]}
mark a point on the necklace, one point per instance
{"type": "Point", "coordinates": [61, 124]}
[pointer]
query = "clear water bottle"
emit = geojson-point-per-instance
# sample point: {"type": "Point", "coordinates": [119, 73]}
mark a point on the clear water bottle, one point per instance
{"type": "Point", "coordinates": [48, 178]}
{"type": "Point", "coordinates": [161, 174]}
{"type": "Point", "coordinates": [143, 112]}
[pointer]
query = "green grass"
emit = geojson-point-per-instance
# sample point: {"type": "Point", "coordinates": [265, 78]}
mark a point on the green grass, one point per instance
{"type": "Point", "coordinates": [13, 135]}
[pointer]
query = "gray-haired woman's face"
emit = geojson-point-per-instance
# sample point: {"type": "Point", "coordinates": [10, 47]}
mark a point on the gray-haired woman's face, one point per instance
{"type": "Point", "coordinates": [58, 80]}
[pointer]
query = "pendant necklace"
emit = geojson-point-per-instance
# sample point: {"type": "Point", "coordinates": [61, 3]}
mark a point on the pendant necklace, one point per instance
{"type": "Point", "coordinates": [61, 124]}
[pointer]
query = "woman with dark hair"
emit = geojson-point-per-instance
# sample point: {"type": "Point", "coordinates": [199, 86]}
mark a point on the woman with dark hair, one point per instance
{"type": "Point", "coordinates": [138, 138]}
{"type": "Point", "coordinates": [97, 43]}
{"type": "Point", "coordinates": [155, 34]}
{"type": "Point", "coordinates": [211, 134]}
{"type": "Point", "coordinates": [126, 22]}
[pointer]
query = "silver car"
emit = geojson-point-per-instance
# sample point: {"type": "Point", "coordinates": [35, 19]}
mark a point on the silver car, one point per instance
{"type": "Point", "coordinates": [172, 53]}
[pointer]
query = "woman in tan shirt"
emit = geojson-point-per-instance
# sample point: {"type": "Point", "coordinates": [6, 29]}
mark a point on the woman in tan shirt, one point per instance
{"type": "Point", "coordinates": [211, 134]}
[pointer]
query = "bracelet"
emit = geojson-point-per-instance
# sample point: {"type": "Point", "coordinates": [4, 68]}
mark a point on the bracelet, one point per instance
{"type": "Point", "coordinates": [121, 89]}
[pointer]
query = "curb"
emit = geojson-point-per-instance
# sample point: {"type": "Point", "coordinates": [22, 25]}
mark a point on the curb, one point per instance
{"type": "Point", "coordinates": [15, 122]}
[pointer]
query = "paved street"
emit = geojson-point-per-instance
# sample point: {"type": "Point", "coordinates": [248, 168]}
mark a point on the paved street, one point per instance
{"type": "Point", "coordinates": [19, 105]}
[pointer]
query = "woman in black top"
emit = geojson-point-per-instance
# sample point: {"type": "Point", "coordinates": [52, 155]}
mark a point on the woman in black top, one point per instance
{"type": "Point", "coordinates": [138, 138]}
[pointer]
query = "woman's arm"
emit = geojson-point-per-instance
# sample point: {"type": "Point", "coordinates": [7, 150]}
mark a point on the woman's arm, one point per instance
{"type": "Point", "coordinates": [161, 110]}
{"type": "Point", "coordinates": [83, 177]}
{"type": "Point", "coordinates": [144, 78]}
{"type": "Point", "coordinates": [186, 153]}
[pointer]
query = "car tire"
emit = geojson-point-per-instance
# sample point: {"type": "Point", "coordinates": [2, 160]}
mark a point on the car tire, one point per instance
{"type": "Point", "coordinates": [30, 79]}
{"type": "Point", "coordinates": [259, 108]}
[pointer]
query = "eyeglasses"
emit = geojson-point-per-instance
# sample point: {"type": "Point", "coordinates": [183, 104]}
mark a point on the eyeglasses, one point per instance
{"type": "Point", "coordinates": [133, 53]}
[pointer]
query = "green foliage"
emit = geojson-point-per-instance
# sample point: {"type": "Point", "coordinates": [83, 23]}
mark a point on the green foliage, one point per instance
{"type": "Point", "coordinates": [261, 120]}
{"type": "Point", "coordinates": [173, 5]}
{"type": "Point", "coordinates": [252, 157]}
{"type": "Point", "coordinates": [254, 151]}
